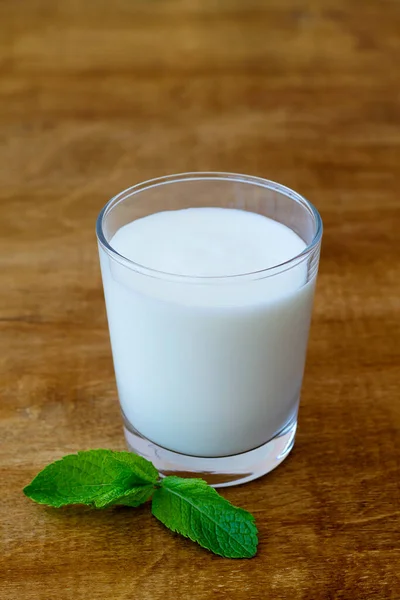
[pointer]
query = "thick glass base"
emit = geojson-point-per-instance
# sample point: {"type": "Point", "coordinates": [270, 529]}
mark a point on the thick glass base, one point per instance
{"type": "Point", "coordinates": [218, 472]}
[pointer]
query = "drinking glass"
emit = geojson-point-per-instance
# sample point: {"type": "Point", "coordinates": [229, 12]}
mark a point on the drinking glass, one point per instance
{"type": "Point", "coordinates": [209, 369]}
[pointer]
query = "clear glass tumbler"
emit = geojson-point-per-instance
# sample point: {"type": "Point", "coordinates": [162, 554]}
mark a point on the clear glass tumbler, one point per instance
{"type": "Point", "coordinates": [209, 369]}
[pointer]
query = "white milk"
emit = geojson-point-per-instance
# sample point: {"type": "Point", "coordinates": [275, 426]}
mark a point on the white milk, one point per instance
{"type": "Point", "coordinates": [207, 367]}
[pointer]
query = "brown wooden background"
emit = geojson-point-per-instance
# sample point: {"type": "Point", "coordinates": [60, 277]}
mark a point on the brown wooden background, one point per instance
{"type": "Point", "coordinates": [95, 96]}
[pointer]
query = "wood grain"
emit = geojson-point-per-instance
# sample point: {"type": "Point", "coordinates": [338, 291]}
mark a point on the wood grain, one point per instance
{"type": "Point", "coordinates": [95, 96]}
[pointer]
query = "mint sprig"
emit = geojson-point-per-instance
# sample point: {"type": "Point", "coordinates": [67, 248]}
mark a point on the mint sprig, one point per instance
{"type": "Point", "coordinates": [104, 478]}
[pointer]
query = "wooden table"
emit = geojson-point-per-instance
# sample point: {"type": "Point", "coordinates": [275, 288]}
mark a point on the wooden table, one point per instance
{"type": "Point", "coordinates": [95, 96]}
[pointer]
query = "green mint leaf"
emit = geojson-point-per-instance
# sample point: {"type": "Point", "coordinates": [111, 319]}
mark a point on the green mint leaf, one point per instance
{"type": "Point", "coordinates": [133, 498]}
{"type": "Point", "coordinates": [97, 478]}
{"type": "Point", "coordinates": [195, 510]}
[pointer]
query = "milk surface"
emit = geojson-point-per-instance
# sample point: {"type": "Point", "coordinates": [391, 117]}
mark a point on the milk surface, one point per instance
{"type": "Point", "coordinates": [207, 367]}
{"type": "Point", "coordinates": [207, 242]}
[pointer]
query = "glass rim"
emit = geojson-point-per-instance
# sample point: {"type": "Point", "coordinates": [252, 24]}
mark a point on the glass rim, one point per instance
{"type": "Point", "coordinates": [209, 176]}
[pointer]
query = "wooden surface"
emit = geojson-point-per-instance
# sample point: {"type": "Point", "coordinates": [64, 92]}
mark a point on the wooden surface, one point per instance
{"type": "Point", "coordinates": [95, 96]}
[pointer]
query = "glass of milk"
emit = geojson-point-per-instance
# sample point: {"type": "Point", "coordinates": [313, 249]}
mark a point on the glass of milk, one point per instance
{"type": "Point", "coordinates": [209, 281]}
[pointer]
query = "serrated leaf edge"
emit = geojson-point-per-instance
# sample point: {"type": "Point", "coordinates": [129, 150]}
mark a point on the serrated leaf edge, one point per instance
{"type": "Point", "coordinates": [251, 522]}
